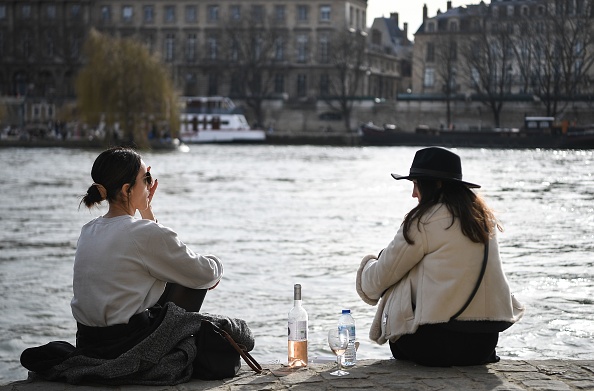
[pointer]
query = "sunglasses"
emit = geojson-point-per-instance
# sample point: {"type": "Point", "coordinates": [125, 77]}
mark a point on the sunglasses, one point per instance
{"type": "Point", "coordinates": [148, 179]}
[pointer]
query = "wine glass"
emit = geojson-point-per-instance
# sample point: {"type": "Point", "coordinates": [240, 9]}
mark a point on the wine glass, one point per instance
{"type": "Point", "coordinates": [338, 340]}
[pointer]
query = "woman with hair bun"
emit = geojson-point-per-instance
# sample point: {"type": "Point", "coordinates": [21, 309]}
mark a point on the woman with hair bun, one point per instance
{"type": "Point", "coordinates": [123, 265]}
{"type": "Point", "coordinates": [137, 289]}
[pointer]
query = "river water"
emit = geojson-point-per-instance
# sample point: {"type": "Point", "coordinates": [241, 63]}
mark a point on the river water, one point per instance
{"type": "Point", "coordinates": [280, 215]}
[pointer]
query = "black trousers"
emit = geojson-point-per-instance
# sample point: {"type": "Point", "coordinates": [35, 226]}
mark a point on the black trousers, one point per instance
{"type": "Point", "coordinates": [189, 299]}
{"type": "Point", "coordinates": [111, 341]}
{"type": "Point", "coordinates": [436, 346]}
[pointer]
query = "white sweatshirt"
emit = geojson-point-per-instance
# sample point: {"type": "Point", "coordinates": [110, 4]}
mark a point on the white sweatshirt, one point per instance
{"type": "Point", "coordinates": [122, 264]}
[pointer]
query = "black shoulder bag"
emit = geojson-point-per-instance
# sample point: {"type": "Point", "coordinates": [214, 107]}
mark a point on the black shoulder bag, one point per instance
{"type": "Point", "coordinates": [476, 326]}
{"type": "Point", "coordinates": [219, 356]}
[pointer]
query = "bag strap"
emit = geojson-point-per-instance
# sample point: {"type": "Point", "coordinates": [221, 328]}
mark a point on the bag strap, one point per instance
{"type": "Point", "coordinates": [241, 350]}
{"type": "Point", "coordinates": [478, 283]}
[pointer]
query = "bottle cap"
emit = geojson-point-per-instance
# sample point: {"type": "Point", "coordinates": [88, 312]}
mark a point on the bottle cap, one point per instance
{"type": "Point", "coordinates": [297, 292]}
{"type": "Point", "coordinates": [346, 311]}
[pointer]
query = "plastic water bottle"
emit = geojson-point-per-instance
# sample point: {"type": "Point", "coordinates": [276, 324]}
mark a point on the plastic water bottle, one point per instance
{"type": "Point", "coordinates": [347, 321]}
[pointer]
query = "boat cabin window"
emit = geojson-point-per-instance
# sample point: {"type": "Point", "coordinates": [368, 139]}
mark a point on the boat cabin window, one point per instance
{"type": "Point", "coordinates": [539, 122]}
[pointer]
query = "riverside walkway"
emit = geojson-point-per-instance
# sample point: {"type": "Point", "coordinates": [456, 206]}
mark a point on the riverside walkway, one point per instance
{"type": "Point", "coordinates": [507, 375]}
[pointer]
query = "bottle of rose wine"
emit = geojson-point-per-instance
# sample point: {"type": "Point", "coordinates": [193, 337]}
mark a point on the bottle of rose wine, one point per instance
{"type": "Point", "coordinates": [298, 322]}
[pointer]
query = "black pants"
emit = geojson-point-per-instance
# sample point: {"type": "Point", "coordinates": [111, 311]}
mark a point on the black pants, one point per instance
{"type": "Point", "coordinates": [436, 346]}
{"type": "Point", "coordinates": [111, 341]}
{"type": "Point", "coordinates": [189, 299]}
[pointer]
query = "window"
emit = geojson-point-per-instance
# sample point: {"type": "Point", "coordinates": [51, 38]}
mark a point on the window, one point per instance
{"type": "Point", "coordinates": [213, 13]}
{"type": "Point", "coordinates": [213, 85]}
{"type": "Point", "coordinates": [302, 13]}
{"type": "Point", "coordinates": [191, 14]}
{"type": "Point", "coordinates": [26, 44]}
{"type": "Point", "coordinates": [454, 51]}
{"type": "Point", "coordinates": [324, 84]}
{"type": "Point", "coordinates": [431, 27]}
{"type": "Point", "coordinates": [234, 50]}
{"type": "Point", "coordinates": [475, 77]}
{"type": "Point", "coordinates": [169, 47]}
{"type": "Point", "coordinates": [429, 79]}
{"type": "Point", "coordinates": [213, 47]}
{"type": "Point", "coordinates": [325, 13]}
{"type": "Point", "coordinates": [26, 11]}
{"type": "Point", "coordinates": [50, 12]}
{"type": "Point", "coordinates": [430, 55]}
{"type": "Point", "coordinates": [301, 85]}
{"type": "Point", "coordinates": [257, 48]}
{"type": "Point", "coordinates": [105, 14]}
{"type": "Point", "coordinates": [324, 49]}
{"type": "Point", "coordinates": [234, 88]}
{"type": "Point", "coordinates": [74, 46]}
{"type": "Point", "coordinates": [2, 12]}
{"type": "Point", "coordinates": [127, 13]}
{"type": "Point", "coordinates": [453, 74]}
{"type": "Point", "coordinates": [376, 37]}
{"type": "Point", "coordinates": [75, 11]}
{"type": "Point", "coordinates": [235, 12]}
{"type": "Point", "coordinates": [279, 13]}
{"type": "Point", "coordinates": [169, 14]}
{"type": "Point", "coordinates": [301, 48]}
{"type": "Point", "coordinates": [279, 83]}
{"type": "Point", "coordinates": [191, 47]}
{"type": "Point", "coordinates": [149, 14]}
{"type": "Point", "coordinates": [279, 49]}
{"type": "Point", "coordinates": [453, 25]}
{"type": "Point", "coordinates": [258, 13]}
{"type": "Point", "coordinates": [149, 42]}
{"type": "Point", "coordinates": [510, 10]}
{"type": "Point", "coordinates": [351, 16]}
{"type": "Point", "coordinates": [49, 45]}
{"type": "Point", "coordinates": [579, 7]}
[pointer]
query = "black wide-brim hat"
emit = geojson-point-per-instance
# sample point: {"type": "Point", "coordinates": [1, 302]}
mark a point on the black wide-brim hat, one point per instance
{"type": "Point", "coordinates": [436, 163]}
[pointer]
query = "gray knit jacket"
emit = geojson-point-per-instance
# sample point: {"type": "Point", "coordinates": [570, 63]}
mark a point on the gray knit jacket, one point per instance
{"type": "Point", "coordinates": [165, 357]}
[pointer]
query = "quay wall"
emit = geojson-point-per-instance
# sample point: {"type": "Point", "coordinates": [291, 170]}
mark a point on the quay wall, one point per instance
{"type": "Point", "coordinates": [313, 118]}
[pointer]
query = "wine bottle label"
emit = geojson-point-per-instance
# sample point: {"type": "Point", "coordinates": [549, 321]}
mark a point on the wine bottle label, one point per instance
{"type": "Point", "coordinates": [298, 330]}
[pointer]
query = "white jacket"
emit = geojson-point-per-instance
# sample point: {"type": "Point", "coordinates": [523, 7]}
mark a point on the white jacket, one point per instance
{"type": "Point", "coordinates": [429, 281]}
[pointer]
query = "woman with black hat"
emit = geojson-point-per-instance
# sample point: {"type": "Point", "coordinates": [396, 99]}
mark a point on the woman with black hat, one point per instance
{"type": "Point", "coordinates": [443, 296]}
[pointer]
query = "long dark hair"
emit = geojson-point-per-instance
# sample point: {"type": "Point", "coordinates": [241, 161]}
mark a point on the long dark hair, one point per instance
{"type": "Point", "coordinates": [476, 218]}
{"type": "Point", "coordinates": [112, 169]}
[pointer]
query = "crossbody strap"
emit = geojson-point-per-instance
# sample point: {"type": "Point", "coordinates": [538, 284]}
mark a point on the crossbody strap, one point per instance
{"type": "Point", "coordinates": [478, 283]}
{"type": "Point", "coordinates": [241, 350]}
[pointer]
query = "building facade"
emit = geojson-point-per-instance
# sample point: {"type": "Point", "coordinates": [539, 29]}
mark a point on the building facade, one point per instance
{"type": "Point", "coordinates": [390, 57]}
{"type": "Point", "coordinates": [41, 44]}
{"type": "Point", "coordinates": [508, 50]}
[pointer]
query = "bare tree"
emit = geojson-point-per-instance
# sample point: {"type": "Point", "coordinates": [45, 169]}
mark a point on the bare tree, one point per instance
{"type": "Point", "coordinates": [346, 61]}
{"type": "Point", "coordinates": [489, 55]}
{"type": "Point", "coordinates": [254, 46]}
{"type": "Point", "coordinates": [446, 60]}
{"type": "Point", "coordinates": [563, 54]}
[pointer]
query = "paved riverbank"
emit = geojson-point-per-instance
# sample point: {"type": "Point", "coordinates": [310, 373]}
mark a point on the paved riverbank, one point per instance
{"type": "Point", "coordinates": [508, 375]}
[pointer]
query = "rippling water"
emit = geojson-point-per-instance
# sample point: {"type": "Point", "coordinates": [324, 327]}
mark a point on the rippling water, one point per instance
{"type": "Point", "coordinates": [280, 215]}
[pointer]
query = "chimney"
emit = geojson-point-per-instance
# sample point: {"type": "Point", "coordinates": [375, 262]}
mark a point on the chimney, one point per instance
{"type": "Point", "coordinates": [405, 29]}
{"type": "Point", "coordinates": [449, 5]}
{"type": "Point", "coordinates": [394, 17]}
{"type": "Point", "coordinates": [424, 12]}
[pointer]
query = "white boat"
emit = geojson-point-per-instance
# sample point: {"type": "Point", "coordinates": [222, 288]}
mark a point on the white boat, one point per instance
{"type": "Point", "coordinates": [215, 119]}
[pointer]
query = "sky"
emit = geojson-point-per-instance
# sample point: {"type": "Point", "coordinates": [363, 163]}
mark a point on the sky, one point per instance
{"type": "Point", "coordinates": [410, 11]}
